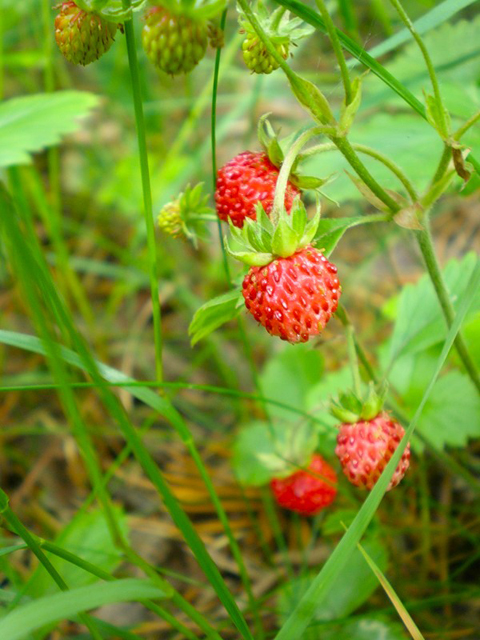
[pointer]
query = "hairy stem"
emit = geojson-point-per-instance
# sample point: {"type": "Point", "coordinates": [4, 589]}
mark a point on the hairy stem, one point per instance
{"type": "Point", "coordinates": [465, 127]}
{"type": "Point", "coordinates": [431, 70]}
{"type": "Point", "coordinates": [373, 153]}
{"type": "Point", "coordinates": [282, 181]}
{"type": "Point", "coordinates": [425, 243]}
{"type": "Point", "coordinates": [347, 150]}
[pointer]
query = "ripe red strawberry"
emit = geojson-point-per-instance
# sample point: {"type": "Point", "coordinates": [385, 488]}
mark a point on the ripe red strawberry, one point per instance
{"type": "Point", "coordinates": [175, 43]}
{"type": "Point", "coordinates": [293, 297]}
{"type": "Point", "coordinates": [247, 179]}
{"type": "Point", "coordinates": [304, 492]}
{"type": "Point", "coordinates": [365, 447]}
{"type": "Point", "coordinates": [82, 37]}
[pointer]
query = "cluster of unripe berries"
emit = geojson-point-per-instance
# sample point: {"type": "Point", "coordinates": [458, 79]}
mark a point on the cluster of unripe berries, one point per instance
{"type": "Point", "coordinates": [174, 40]}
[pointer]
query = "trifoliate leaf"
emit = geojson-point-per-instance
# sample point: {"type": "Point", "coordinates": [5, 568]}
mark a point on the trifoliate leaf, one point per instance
{"type": "Point", "coordinates": [420, 323]}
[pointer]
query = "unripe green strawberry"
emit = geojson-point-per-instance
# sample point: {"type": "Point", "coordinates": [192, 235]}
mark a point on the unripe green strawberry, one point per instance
{"type": "Point", "coordinates": [282, 34]}
{"type": "Point", "coordinates": [170, 220]}
{"type": "Point", "coordinates": [256, 56]}
{"type": "Point", "coordinates": [174, 43]}
{"type": "Point", "coordinates": [185, 217]}
{"type": "Point", "coordinates": [82, 37]}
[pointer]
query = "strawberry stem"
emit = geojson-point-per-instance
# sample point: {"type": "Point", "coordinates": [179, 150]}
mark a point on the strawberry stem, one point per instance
{"type": "Point", "coordinates": [352, 356]}
{"type": "Point", "coordinates": [425, 243]}
{"type": "Point", "coordinates": [373, 153]}
{"type": "Point", "coordinates": [279, 200]}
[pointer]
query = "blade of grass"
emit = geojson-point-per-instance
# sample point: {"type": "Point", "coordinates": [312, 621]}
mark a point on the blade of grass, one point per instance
{"type": "Point", "coordinates": [29, 617]}
{"type": "Point", "coordinates": [299, 619]}
{"type": "Point", "coordinates": [413, 630]}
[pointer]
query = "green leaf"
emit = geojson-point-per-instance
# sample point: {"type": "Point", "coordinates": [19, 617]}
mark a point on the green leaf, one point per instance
{"type": "Point", "coordinates": [452, 413]}
{"type": "Point", "coordinates": [65, 606]}
{"type": "Point", "coordinates": [32, 123]}
{"type": "Point", "coordinates": [261, 452]}
{"type": "Point", "coordinates": [214, 313]}
{"type": "Point", "coordinates": [289, 375]}
{"type": "Point", "coordinates": [419, 321]}
{"type": "Point", "coordinates": [89, 538]}
{"type": "Point", "coordinates": [352, 587]}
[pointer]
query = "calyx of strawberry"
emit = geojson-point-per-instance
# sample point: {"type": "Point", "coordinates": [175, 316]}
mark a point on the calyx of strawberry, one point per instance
{"type": "Point", "coordinates": [259, 241]}
{"type": "Point", "coordinates": [270, 142]}
{"type": "Point", "coordinates": [351, 408]}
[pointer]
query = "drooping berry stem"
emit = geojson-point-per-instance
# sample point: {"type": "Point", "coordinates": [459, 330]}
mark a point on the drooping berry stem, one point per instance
{"type": "Point", "coordinates": [287, 165]}
{"type": "Point", "coordinates": [147, 192]}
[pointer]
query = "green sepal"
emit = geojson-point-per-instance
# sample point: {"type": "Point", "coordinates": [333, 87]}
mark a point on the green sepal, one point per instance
{"type": "Point", "coordinates": [269, 141]}
{"type": "Point", "coordinates": [285, 238]}
{"type": "Point", "coordinates": [373, 403]}
{"type": "Point", "coordinates": [312, 226]}
{"type": "Point", "coordinates": [343, 414]}
{"type": "Point", "coordinates": [350, 408]}
{"type": "Point", "coordinates": [349, 111]}
{"type": "Point", "coordinates": [258, 242]}
{"type": "Point", "coordinates": [252, 258]}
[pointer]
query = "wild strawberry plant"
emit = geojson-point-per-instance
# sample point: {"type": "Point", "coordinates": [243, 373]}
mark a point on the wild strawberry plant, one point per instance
{"type": "Point", "coordinates": [295, 376]}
